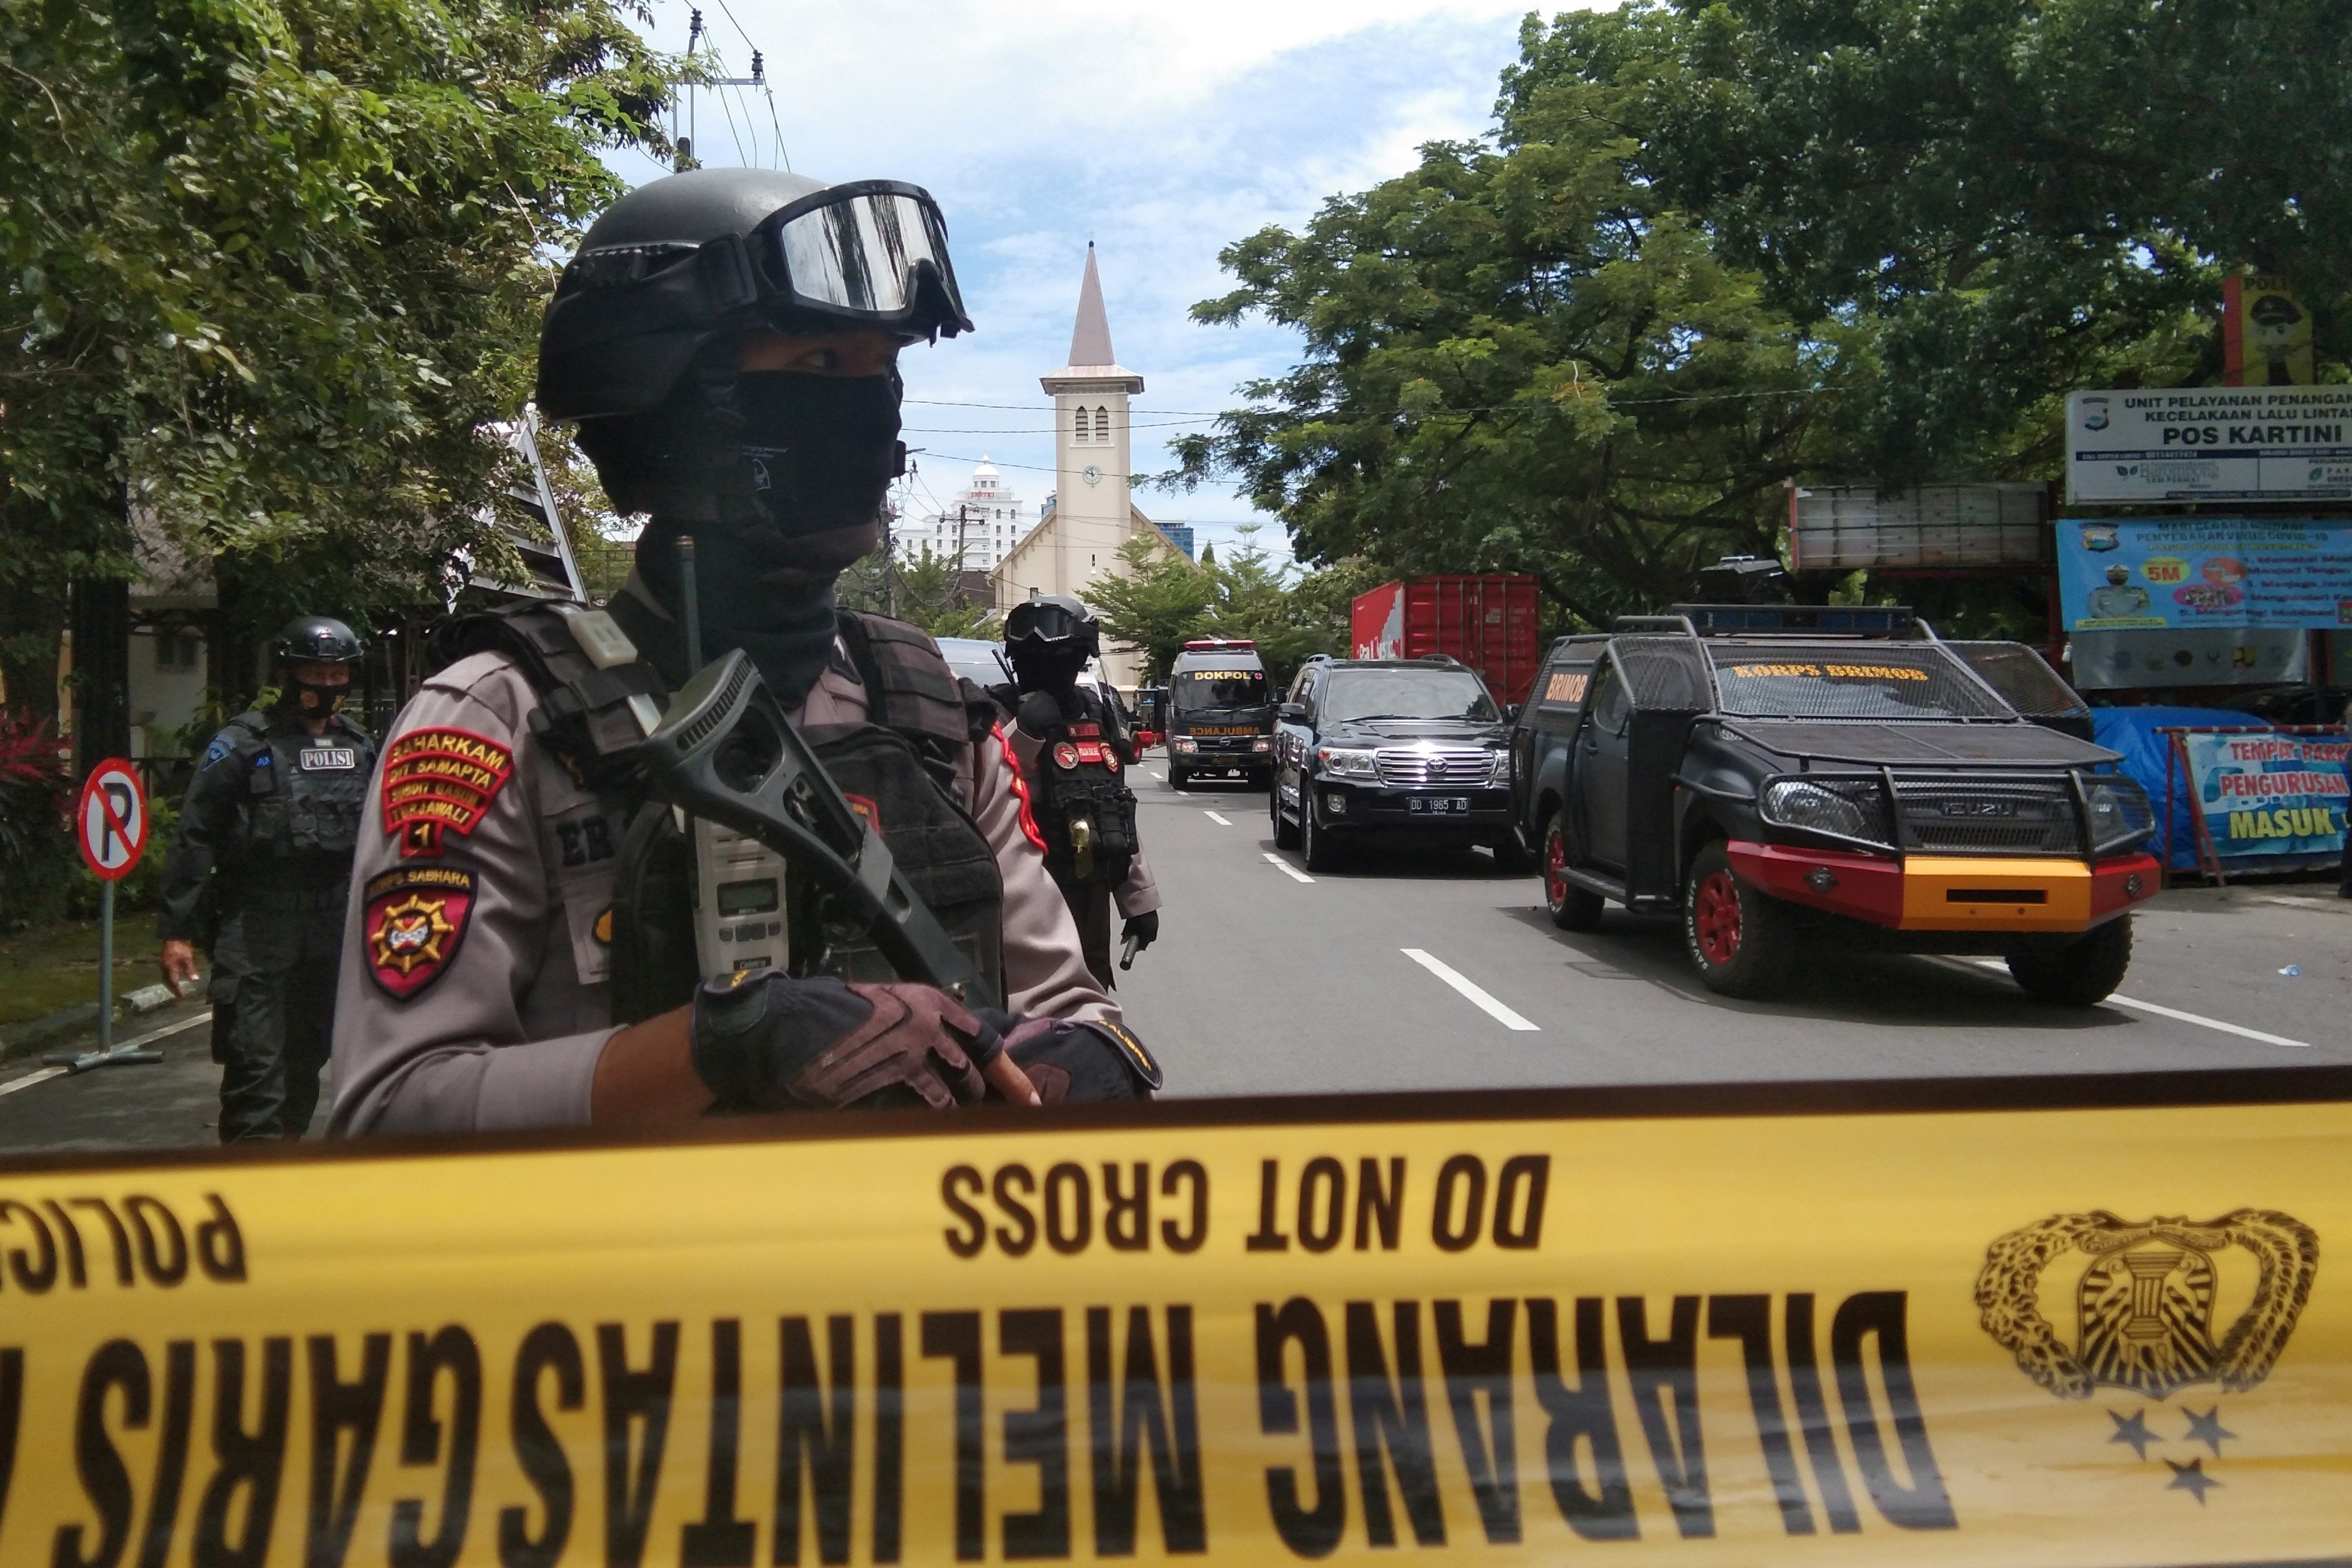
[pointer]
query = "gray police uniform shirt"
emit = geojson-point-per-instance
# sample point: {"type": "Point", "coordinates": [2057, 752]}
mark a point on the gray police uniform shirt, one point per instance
{"type": "Point", "coordinates": [473, 992]}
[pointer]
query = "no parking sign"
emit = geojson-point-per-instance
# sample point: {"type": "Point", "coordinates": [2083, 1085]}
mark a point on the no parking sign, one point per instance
{"type": "Point", "coordinates": [110, 823]}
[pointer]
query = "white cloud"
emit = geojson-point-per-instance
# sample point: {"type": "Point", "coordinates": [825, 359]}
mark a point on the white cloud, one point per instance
{"type": "Point", "coordinates": [1162, 132]}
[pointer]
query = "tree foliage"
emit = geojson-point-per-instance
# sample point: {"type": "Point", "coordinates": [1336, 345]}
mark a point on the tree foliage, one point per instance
{"type": "Point", "coordinates": [1520, 358]}
{"type": "Point", "coordinates": [1711, 249]}
{"type": "Point", "coordinates": [2017, 198]}
{"type": "Point", "coordinates": [268, 267]}
{"type": "Point", "coordinates": [927, 591]}
{"type": "Point", "coordinates": [1158, 601]}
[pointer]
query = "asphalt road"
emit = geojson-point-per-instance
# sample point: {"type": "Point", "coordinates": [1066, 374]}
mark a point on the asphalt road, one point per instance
{"type": "Point", "coordinates": [1267, 981]}
{"type": "Point", "coordinates": [1433, 972]}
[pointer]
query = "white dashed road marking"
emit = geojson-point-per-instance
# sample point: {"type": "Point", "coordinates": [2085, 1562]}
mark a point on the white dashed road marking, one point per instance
{"type": "Point", "coordinates": [1216, 818]}
{"type": "Point", "coordinates": [1478, 997]}
{"type": "Point", "coordinates": [2200, 1019]}
{"type": "Point", "coordinates": [1292, 872]}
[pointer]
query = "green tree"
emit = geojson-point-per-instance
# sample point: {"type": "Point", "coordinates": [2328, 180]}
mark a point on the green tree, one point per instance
{"type": "Point", "coordinates": [1268, 605]}
{"type": "Point", "coordinates": [927, 591]}
{"type": "Point", "coordinates": [1519, 356]}
{"type": "Point", "coordinates": [1153, 604]}
{"type": "Point", "coordinates": [2013, 199]}
{"type": "Point", "coordinates": [270, 267]}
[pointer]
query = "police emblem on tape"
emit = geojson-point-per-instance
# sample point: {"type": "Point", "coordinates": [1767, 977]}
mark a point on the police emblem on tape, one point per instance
{"type": "Point", "coordinates": [414, 922]}
{"type": "Point", "coordinates": [440, 781]}
{"type": "Point", "coordinates": [2143, 1306]}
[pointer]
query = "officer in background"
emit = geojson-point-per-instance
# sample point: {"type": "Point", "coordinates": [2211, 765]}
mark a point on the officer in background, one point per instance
{"type": "Point", "coordinates": [258, 876]}
{"type": "Point", "coordinates": [521, 941]}
{"type": "Point", "coordinates": [1074, 748]}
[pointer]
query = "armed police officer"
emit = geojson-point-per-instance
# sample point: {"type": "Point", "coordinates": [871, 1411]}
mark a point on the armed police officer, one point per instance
{"type": "Point", "coordinates": [1074, 747]}
{"type": "Point", "coordinates": [258, 876]}
{"type": "Point", "coordinates": [534, 940]}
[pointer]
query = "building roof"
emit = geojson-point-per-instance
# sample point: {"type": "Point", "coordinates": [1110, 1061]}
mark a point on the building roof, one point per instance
{"type": "Point", "coordinates": [1091, 356]}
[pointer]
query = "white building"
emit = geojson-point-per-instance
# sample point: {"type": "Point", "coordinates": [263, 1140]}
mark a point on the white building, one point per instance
{"type": "Point", "coordinates": [981, 524]}
{"type": "Point", "coordinates": [1090, 515]}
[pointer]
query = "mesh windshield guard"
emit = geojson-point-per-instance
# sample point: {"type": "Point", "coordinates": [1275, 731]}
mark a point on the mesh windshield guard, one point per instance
{"type": "Point", "coordinates": [1853, 681]}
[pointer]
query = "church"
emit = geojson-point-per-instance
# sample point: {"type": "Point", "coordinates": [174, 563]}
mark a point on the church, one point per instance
{"type": "Point", "coordinates": [1090, 515]}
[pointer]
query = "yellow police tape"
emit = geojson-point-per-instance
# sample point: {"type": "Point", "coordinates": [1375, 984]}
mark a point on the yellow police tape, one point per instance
{"type": "Point", "coordinates": [1511, 1329]}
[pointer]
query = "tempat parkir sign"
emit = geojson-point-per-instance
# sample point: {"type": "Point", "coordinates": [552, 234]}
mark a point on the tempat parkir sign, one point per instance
{"type": "Point", "coordinates": [2210, 444]}
{"type": "Point", "coordinates": [2034, 1323]}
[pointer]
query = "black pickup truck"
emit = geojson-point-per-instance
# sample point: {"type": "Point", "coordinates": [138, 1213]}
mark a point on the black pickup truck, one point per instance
{"type": "Point", "coordinates": [1780, 776]}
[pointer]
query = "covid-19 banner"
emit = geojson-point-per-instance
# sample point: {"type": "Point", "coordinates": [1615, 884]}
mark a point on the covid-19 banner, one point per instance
{"type": "Point", "coordinates": [2271, 794]}
{"type": "Point", "coordinates": [2189, 573]}
{"type": "Point", "coordinates": [2070, 1322]}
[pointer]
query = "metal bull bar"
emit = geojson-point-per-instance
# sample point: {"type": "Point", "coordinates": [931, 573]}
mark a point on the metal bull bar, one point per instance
{"type": "Point", "coordinates": [726, 752]}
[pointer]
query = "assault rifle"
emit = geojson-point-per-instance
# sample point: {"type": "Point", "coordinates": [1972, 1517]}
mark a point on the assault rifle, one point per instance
{"type": "Point", "coordinates": [726, 752]}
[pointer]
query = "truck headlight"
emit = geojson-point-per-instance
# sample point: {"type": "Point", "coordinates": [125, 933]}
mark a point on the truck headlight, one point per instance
{"type": "Point", "coordinates": [2120, 814]}
{"type": "Point", "coordinates": [1183, 743]}
{"type": "Point", "coordinates": [1344, 762]}
{"type": "Point", "coordinates": [1847, 809]}
{"type": "Point", "coordinates": [1263, 743]}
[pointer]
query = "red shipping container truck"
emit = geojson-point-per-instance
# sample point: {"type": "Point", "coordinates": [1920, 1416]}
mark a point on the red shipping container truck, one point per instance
{"type": "Point", "coordinates": [1488, 623]}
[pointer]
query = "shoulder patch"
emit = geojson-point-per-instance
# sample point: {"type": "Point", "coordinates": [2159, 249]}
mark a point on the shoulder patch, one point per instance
{"type": "Point", "coordinates": [439, 781]}
{"type": "Point", "coordinates": [221, 747]}
{"type": "Point", "coordinates": [413, 923]}
{"type": "Point", "coordinates": [1139, 1058]}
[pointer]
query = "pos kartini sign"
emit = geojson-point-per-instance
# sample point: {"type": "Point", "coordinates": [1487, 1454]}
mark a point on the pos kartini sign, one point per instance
{"type": "Point", "coordinates": [2210, 444]}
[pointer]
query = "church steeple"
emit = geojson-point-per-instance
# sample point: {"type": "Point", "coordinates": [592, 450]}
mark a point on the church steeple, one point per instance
{"type": "Point", "coordinates": [1090, 339]}
{"type": "Point", "coordinates": [1091, 359]}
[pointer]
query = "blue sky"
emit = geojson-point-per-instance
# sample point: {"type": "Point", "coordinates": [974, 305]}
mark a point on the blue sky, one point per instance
{"type": "Point", "coordinates": [1162, 132]}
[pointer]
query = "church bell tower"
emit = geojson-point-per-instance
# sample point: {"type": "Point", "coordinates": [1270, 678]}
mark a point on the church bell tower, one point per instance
{"type": "Point", "coordinates": [1092, 453]}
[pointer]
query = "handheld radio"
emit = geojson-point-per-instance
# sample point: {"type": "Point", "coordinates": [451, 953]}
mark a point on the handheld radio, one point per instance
{"type": "Point", "coordinates": [740, 920]}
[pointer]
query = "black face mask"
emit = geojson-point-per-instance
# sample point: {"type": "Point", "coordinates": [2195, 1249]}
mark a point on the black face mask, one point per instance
{"type": "Point", "coordinates": [785, 490]}
{"type": "Point", "coordinates": [818, 451]}
{"type": "Point", "coordinates": [1056, 672]}
{"type": "Point", "coordinates": [309, 699]}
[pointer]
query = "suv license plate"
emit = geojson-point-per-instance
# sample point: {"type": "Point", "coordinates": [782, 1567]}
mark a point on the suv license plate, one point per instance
{"type": "Point", "coordinates": [1437, 805]}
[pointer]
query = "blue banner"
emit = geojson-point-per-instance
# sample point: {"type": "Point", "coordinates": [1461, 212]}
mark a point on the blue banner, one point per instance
{"type": "Point", "coordinates": [2147, 573]}
{"type": "Point", "coordinates": [2271, 794]}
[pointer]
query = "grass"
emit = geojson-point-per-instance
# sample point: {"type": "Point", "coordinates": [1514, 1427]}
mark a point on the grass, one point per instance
{"type": "Point", "coordinates": [56, 968]}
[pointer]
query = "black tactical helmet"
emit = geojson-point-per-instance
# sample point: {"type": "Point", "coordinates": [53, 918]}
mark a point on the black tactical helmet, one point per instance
{"type": "Point", "coordinates": [1055, 624]}
{"type": "Point", "coordinates": [691, 257]}
{"type": "Point", "coordinates": [317, 640]}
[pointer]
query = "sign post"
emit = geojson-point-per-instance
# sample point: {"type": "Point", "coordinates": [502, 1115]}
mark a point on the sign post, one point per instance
{"type": "Point", "coordinates": [111, 823]}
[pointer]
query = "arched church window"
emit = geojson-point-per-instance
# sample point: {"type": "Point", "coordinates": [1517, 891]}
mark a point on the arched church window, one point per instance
{"type": "Point", "coordinates": [1102, 424]}
{"type": "Point", "coordinates": [1080, 435]}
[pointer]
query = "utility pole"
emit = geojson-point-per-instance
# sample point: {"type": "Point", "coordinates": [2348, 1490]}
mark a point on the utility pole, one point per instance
{"type": "Point", "coordinates": [685, 143]}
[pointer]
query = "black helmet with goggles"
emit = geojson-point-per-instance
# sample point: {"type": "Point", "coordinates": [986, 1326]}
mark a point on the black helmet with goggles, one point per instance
{"type": "Point", "coordinates": [1054, 624]}
{"type": "Point", "coordinates": [695, 256]}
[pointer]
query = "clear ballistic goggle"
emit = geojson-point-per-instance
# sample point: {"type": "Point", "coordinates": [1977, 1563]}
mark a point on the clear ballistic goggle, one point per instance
{"type": "Point", "coordinates": [872, 253]}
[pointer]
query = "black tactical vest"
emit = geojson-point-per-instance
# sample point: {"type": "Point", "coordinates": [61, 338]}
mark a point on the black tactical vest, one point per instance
{"type": "Point", "coordinates": [1078, 793]}
{"type": "Point", "coordinates": [304, 793]}
{"type": "Point", "coordinates": [897, 770]}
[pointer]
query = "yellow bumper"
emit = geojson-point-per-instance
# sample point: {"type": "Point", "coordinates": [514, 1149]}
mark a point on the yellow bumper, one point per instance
{"type": "Point", "coordinates": [1951, 893]}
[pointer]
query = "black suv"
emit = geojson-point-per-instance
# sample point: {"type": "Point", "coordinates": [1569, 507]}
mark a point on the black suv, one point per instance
{"type": "Point", "coordinates": [1409, 749]}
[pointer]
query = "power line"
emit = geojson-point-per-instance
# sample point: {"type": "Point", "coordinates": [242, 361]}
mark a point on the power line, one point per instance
{"type": "Point", "coordinates": [1496, 408]}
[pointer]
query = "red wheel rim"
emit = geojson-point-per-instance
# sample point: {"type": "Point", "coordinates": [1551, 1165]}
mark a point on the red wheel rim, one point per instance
{"type": "Point", "coordinates": [1555, 869]}
{"type": "Point", "coordinates": [1715, 918]}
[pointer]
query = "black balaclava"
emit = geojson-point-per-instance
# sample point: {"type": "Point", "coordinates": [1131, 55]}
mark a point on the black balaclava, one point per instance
{"type": "Point", "coordinates": [780, 478]}
{"type": "Point", "coordinates": [1054, 670]}
{"type": "Point", "coordinates": [308, 699]}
